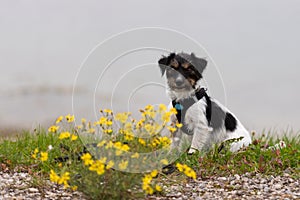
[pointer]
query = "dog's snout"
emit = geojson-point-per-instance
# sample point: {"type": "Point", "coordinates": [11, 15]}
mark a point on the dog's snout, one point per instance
{"type": "Point", "coordinates": [179, 81]}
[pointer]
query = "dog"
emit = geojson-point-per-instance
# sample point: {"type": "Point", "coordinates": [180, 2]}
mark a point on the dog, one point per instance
{"type": "Point", "coordinates": [205, 121]}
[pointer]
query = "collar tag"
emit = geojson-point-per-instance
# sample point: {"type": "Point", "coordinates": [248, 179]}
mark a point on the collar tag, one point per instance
{"type": "Point", "coordinates": [178, 106]}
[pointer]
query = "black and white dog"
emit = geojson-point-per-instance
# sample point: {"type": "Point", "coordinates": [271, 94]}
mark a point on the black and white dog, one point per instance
{"type": "Point", "coordinates": [205, 121]}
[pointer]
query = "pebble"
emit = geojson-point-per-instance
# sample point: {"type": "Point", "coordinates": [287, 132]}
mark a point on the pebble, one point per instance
{"type": "Point", "coordinates": [33, 190]}
{"type": "Point", "coordinates": [222, 178]}
{"type": "Point", "coordinates": [277, 186]}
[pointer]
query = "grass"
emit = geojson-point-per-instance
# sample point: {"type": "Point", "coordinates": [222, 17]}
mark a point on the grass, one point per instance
{"type": "Point", "coordinates": [65, 158]}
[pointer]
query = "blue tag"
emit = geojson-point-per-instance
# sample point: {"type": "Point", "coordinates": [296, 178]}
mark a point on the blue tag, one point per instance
{"type": "Point", "coordinates": [178, 106]}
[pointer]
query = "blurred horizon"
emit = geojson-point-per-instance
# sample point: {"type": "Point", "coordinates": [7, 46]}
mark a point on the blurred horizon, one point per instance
{"type": "Point", "coordinates": [254, 44]}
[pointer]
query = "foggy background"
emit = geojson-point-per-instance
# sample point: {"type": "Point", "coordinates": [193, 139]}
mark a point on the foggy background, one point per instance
{"type": "Point", "coordinates": [255, 45]}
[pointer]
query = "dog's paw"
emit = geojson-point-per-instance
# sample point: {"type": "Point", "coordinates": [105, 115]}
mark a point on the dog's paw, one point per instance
{"type": "Point", "coordinates": [191, 151]}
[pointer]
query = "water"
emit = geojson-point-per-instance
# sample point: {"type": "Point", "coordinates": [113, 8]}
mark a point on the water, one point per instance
{"type": "Point", "coordinates": [255, 45]}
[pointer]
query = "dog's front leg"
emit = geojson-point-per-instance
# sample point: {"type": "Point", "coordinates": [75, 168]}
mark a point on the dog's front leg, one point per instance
{"type": "Point", "coordinates": [200, 139]}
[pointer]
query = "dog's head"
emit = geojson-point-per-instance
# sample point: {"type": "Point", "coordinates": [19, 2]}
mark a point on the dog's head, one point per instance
{"type": "Point", "coordinates": [183, 70]}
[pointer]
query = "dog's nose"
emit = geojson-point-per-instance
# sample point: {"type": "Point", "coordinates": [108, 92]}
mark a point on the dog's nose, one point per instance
{"type": "Point", "coordinates": [179, 81]}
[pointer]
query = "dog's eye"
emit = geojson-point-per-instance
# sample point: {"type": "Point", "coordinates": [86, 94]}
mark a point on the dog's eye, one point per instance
{"type": "Point", "coordinates": [186, 65]}
{"type": "Point", "coordinates": [190, 69]}
{"type": "Point", "coordinates": [174, 63]}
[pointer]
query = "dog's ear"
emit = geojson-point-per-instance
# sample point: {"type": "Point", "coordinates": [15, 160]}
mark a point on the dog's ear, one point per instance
{"type": "Point", "coordinates": [198, 63]}
{"type": "Point", "coordinates": [164, 62]}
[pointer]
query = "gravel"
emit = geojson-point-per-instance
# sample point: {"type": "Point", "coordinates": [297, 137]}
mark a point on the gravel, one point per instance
{"type": "Point", "coordinates": [18, 185]}
{"type": "Point", "coordinates": [247, 186]}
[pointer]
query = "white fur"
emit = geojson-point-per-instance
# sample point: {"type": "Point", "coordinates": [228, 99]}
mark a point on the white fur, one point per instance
{"type": "Point", "coordinates": [204, 137]}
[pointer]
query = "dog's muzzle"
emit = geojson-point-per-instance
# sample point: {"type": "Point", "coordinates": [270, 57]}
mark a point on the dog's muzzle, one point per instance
{"type": "Point", "coordinates": [179, 81]}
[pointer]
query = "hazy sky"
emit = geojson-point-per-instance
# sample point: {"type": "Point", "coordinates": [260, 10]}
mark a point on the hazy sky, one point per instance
{"type": "Point", "coordinates": [255, 44]}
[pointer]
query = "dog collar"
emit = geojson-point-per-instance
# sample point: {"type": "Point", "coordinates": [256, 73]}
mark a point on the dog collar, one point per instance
{"type": "Point", "coordinates": [183, 105]}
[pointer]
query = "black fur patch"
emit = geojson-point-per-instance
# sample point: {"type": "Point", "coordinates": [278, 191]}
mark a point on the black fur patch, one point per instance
{"type": "Point", "coordinates": [230, 122]}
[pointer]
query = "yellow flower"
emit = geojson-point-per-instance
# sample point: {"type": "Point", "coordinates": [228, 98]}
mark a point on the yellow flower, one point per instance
{"type": "Point", "coordinates": [164, 161]}
{"type": "Point", "coordinates": [186, 170]}
{"type": "Point", "coordinates": [74, 137]}
{"type": "Point", "coordinates": [87, 158]}
{"type": "Point", "coordinates": [102, 120]}
{"type": "Point", "coordinates": [147, 184]}
{"type": "Point", "coordinates": [53, 129]}
{"type": "Point", "coordinates": [70, 118]}
{"type": "Point", "coordinates": [64, 135]}
{"type": "Point", "coordinates": [149, 190]}
{"type": "Point", "coordinates": [110, 164]}
{"type": "Point", "coordinates": [162, 108]}
{"type": "Point", "coordinates": [147, 179]}
{"type": "Point", "coordinates": [64, 179]}
{"type": "Point", "coordinates": [100, 144]}
{"type": "Point", "coordinates": [190, 173]}
{"type": "Point", "coordinates": [142, 141]}
{"type": "Point", "coordinates": [166, 117]}
{"type": "Point", "coordinates": [74, 188]}
{"type": "Point", "coordinates": [36, 150]}
{"type": "Point", "coordinates": [109, 123]}
{"type": "Point", "coordinates": [125, 147]}
{"type": "Point", "coordinates": [98, 166]}
{"type": "Point", "coordinates": [149, 113]}
{"type": "Point", "coordinates": [128, 135]}
{"type": "Point", "coordinates": [154, 173]}
{"type": "Point", "coordinates": [53, 177]}
{"type": "Point", "coordinates": [139, 124]}
{"type": "Point", "coordinates": [83, 120]}
{"type": "Point", "coordinates": [123, 164]}
{"type": "Point", "coordinates": [135, 155]}
{"type": "Point", "coordinates": [59, 119]}
{"type": "Point", "coordinates": [165, 141]}
{"type": "Point", "coordinates": [122, 117]}
{"type": "Point", "coordinates": [108, 131]}
{"type": "Point", "coordinates": [33, 156]}
{"type": "Point", "coordinates": [179, 125]}
{"type": "Point", "coordinates": [118, 145]}
{"type": "Point", "coordinates": [44, 156]}
{"type": "Point", "coordinates": [109, 144]}
{"type": "Point", "coordinates": [179, 167]}
{"type": "Point", "coordinates": [173, 111]}
{"type": "Point", "coordinates": [120, 148]}
{"type": "Point", "coordinates": [158, 188]}
{"type": "Point", "coordinates": [149, 107]}
{"type": "Point", "coordinates": [171, 129]}
{"type": "Point", "coordinates": [108, 111]}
